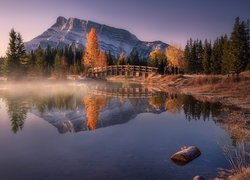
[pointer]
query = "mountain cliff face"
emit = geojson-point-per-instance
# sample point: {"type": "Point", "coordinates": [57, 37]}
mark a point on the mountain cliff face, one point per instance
{"type": "Point", "coordinates": [66, 32]}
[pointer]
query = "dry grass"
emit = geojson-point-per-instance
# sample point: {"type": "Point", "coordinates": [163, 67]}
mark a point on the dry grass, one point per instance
{"type": "Point", "coordinates": [228, 90]}
{"type": "Point", "coordinates": [243, 175]}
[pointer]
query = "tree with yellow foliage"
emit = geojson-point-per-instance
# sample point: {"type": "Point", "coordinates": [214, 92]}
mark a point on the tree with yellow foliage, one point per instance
{"type": "Point", "coordinates": [175, 56]}
{"type": "Point", "coordinates": [122, 59]}
{"type": "Point", "coordinates": [102, 60]}
{"type": "Point", "coordinates": [92, 50]}
{"type": "Point", "coordinates": [158, 59]}
{"type": "Point", "coordinates": [93, 106]}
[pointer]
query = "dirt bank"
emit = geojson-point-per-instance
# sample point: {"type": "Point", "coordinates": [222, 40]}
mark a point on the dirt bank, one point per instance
{"type": "Point", "coordinates": [221, 88]}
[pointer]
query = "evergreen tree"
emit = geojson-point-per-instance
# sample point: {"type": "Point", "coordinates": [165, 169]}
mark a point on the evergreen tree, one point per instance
{"type": "Point", "coordinates": [10, 65]}
{"type": "Point", "coordinates": [39, 64]}
{"type": "Point", "coordinates": [217, 54]}
{"type": "Point", "coordinates": [134, 58]}
{"type": "Point", "coordinates": [206, 57]}
{"type": "Point", "coordinates": [239, 46]}
{"type": "Point", "coordinates": [198, 57]}
{"type": "Point", "coordinates": [110, 59]}
{"type": "Point", "coordinates": [247, 31]}
{"type": "Point", "coordinates": [187, 57]}
{"type": "Point", "coordinates": [31, 63]}
{"type": "Point", "coordinates": [193, 57]}
{"type": "Point", "coordinates": [21, 55]}
{"type": "Point", "coordinates": [226, 61]}
{"type": "Point", "coordinates": [16, 61]}
{"type": "Point", "coordinates": [58, 65]}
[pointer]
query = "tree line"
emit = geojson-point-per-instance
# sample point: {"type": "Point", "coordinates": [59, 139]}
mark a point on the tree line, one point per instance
{"type": "Point", "coordinates": [226, 54]}
{"type": "Point", "coordinates": [56, 62]}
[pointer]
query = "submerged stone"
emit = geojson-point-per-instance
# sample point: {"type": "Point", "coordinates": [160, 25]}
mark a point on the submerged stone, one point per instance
{"type": "Point", "coordinates": [186, 155]}
{"type": "Point", "coordinates": [199, 178]}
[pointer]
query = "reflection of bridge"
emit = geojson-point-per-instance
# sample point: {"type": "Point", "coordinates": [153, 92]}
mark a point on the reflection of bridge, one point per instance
{"type": "Point", "coordinates": [130, 93]}
{"type": "Point", "coordinates": [125, 70]}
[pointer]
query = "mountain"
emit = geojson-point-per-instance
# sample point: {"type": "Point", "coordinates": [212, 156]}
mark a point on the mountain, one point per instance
{"type": "Point", "coordinates": [66, 32]}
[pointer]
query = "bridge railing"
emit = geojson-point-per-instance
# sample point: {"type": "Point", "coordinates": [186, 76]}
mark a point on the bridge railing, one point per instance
{"type": "Point", "coordinates": [123, 68]}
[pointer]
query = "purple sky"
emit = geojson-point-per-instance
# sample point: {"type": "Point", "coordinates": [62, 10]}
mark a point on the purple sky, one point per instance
{"type": "Point", "coordinates": [166, 20]}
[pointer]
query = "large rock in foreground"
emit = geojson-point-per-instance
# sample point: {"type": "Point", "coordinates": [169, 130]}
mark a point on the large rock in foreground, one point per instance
{"type": "Point", "coordinates": [186, 155]}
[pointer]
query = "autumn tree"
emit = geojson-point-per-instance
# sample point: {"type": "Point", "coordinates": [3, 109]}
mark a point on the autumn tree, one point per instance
{"type": "Point", "coordinates": [93, 106]}
{"type": "Point", "coordinates": [175, 56]}
{"type": "Point", "coordinates": [92, 50]}
{"type": "Point", "coordinates": [122, 59]}
{"type": "Point", "coordinates": [102, 60]}
{"type": "Point", "coordinates": [158, 59]}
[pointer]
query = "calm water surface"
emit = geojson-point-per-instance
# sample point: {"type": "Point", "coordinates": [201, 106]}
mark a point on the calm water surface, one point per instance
{"type": "Point", "coordinates": [105, 131]}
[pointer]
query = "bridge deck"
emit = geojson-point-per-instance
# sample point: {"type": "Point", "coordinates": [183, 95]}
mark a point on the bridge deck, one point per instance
{"type": "Point", "coordinates": [127, 70]}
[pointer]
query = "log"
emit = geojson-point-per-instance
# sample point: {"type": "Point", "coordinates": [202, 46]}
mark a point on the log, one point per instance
{"type": "Point", "coordinates": [186, 155]}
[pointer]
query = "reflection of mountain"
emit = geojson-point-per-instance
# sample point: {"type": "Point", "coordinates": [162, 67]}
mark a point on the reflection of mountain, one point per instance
{"type": "Point", "coordinates": [99, 105]}
{"type": "Point", "coordinates": [115, 112]}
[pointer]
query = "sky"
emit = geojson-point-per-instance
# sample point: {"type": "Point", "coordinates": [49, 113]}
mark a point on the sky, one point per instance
{"type": "Point", "coordinates": [171, 21]}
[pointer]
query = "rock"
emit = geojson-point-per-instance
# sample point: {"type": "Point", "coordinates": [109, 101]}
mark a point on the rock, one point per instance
{"type": "Point", "coordinates": [186, 155]}
{"type": "Point", "coordinates": [199, 178]}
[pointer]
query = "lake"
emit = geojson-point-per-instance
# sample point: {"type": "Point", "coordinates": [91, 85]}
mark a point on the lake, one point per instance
{"type": "Point", "coordinates": [105, 131]}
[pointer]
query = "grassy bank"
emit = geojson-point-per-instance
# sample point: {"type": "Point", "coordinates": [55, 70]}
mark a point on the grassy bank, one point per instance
{"type": "Point", "coordinates": [227, 90]}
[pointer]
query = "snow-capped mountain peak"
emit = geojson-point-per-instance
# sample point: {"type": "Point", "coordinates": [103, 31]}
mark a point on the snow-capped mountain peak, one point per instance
{"type": "Point", "coordinates": [65, 32]}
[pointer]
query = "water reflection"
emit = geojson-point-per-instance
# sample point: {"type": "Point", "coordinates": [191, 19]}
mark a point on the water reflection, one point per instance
{"type": "Point", "coordinates": [93, 106]}
{"type": "Point", "coordinates": [103, 105]}
{"type": "Point", "coordinates": [17, 110]}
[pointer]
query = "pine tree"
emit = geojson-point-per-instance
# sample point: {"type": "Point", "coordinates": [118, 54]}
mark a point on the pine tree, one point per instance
{"type": "Point", "coordinates": [10, 65]}
{"type": "Point", "coordinates": [247, 31]}
{"type": "Point", "coordinates": [21, 55]}
{"type": "Point", "coordinates": [134, 58]}
{"type": "Point", "coordinates": [198, 61]}
{"type": "Point", "coordinates": [226, 63]}
{"type": "Point", "coordinates": [206, 57]}
{"type": "Point", "coordinates": [193, 57]}
{"type": "Point", "coordinates": [39, 64]}
{"type": "Point", "coordinates": [217, 54]}
{"type": "Point", "coordinates": [110, 59]}
{"type": "Point", "coordinates": [239, 46]}
{"type": "Point", "coordinates": [187, 57]}
{"type": "Point", "coordinates": [92, 49]}
{"type": "Point", "coordinates": [14, 66]}
{"type": "Point", "coordinates": [58, 65]}
{"type": "Point", "coordinates": [31, 63]}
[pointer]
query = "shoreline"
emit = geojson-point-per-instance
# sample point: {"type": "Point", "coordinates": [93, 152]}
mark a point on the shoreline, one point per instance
{"type": "Point", "coordinates": [212, 88]}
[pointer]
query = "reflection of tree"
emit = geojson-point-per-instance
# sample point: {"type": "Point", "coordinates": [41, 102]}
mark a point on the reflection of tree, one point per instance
{"type": "Point", "coordinates": [173, 105]}
{"type": "Point", "coordinates": [56, 101]}
{"type": "Point", "coordinates": [93, 106]}
{"type": "Point", "coordinates": [17, 110]}
{"type": "Point", "coordinates": [156, 102]}
{"type": "Point", "coordinates": [196, 109]}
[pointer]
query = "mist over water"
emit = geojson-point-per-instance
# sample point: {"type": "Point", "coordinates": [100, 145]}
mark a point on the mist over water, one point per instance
{"type": "Point", "coordinates": [93, 130]}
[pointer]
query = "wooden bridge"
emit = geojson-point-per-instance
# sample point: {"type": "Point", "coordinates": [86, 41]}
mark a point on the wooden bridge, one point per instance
{"type": "Point", "coordinates": [121, 70]}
